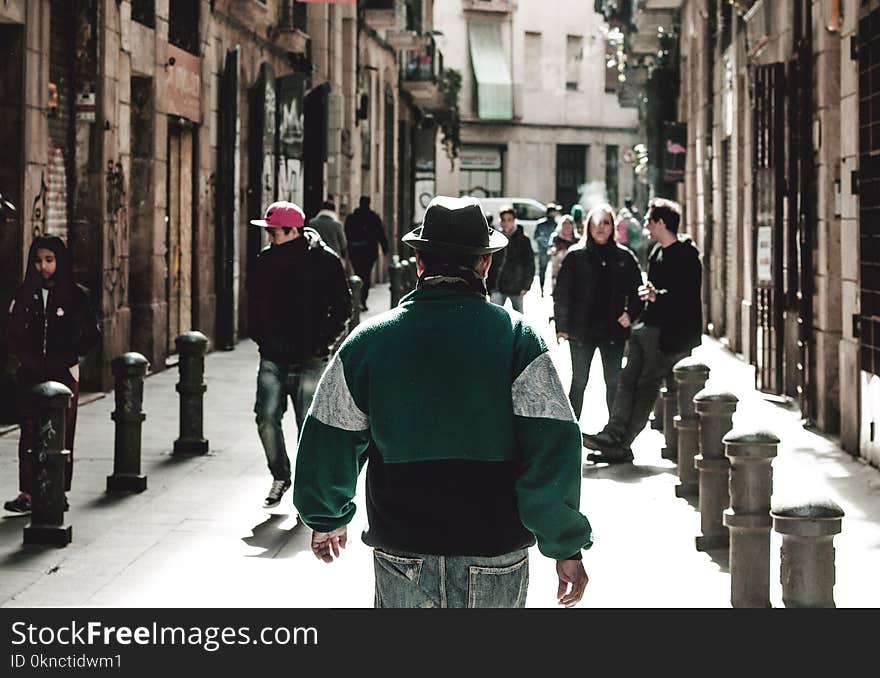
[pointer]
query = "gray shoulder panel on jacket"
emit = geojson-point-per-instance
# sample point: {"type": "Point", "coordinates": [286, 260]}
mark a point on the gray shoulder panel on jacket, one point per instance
{"type": "Point", "coordinates": [333, 403]}
{"type": "Point", "coordinates": [537, 392]}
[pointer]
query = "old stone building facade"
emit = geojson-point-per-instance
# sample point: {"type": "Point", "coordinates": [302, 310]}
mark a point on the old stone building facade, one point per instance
{"type": "Point", "coordinates": [773, 107]}
{"type": "Point", "coordinates": [148, 132]}
{"type": "Point", "coordinates": [540, 115]}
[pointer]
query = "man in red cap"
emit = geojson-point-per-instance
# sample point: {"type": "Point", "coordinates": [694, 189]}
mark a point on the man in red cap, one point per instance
{"type": "Point", "coordinates": [299, 302]}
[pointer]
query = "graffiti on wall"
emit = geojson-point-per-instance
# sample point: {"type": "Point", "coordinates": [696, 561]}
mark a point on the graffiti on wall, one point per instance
{"type": "Point", "coordinates": [116, 272]}
{"type": "Point", "coordinates": [38, 209]}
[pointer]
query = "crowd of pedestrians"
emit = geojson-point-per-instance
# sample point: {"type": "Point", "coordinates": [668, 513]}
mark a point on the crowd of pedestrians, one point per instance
{"type": "Point", "coordinates": [452, 509]}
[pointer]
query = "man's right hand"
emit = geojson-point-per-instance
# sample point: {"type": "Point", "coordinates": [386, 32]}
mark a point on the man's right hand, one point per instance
{"type": "Point", "coordinates": [561, 336]}
{"type": "Point", "coordinates": [572, 582]}
{"type": "Point", "coordinates": [326, 545]}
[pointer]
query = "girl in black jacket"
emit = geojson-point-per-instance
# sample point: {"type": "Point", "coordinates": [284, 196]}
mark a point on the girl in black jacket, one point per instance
{"type": "Point", "coordinates": [51, 325]}
{"type": "Point", "coordinates": [594, 303]}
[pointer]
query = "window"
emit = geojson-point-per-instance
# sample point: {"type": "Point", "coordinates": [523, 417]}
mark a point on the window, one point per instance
{"type": "Point", "coordinates": [611, 155]}
{"type": "Point", "coordinates": [532, 57]}
{"type": "Point", "coordinates": [183, 25]}
{"type": "Point", "coordinates": [528, 212]}
{"type": "Point", "coordinates": [481, 172]}
{"type": "Point", "coordinates": [492, 79]}
{"type": "Point", "coordinates": [292, 15]}
{"type": "Point", "coordinates": [144, 12]}
{"type": "Point", "coordinates": [574, 57]}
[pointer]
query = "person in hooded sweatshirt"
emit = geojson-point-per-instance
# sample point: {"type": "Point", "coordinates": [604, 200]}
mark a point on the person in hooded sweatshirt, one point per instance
{"type": "Point", "coordinates": [595, 301]}
{"type": "Point", "coordinates": [51, 326]}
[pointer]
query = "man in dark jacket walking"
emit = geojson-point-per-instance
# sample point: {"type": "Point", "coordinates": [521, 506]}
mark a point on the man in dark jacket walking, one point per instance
{"type": "Point", "coordinates": [299, 302]}
{"type": "Point", "coordinates": [517, 268]}
{"type": "Point", "coordinates": [364, 231]}
{"type": "Point", "coordinates": [669, 328]}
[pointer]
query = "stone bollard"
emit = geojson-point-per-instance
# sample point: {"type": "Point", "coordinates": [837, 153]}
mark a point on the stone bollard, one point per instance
{"type": "Point", "coordinates": [356, 284]}
{"type": "Point", "coordinates": [748, 517]}
{"type": "Point", "coordinates": [670, 406]}
{"type": "Point", "coordinates": [395, 275]}
{"type": "Point", "coordinates": [191, 347]}
{"type": "Point", "coordinates": [690, 378]}
{"type": "Point", "coordinates": [715, 409]}
{"type": "Point", "coordinates": [50, 459]}
{"type": "Point", "coordinates": [129, 370]}
{"type": "Point", "coordinates": [807, 563]}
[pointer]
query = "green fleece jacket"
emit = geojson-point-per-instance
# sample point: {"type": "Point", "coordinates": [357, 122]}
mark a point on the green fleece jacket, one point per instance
{"type": "Point", "coordinates": [472, 445]}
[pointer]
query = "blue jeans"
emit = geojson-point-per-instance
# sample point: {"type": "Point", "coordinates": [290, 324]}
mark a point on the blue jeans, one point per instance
{"type": "Point", "coordinates": [515, 300]}
{"type": "Point", "coordinates": [422, 580]}
{"type": "Point", "coordinates": [582, 353]}
{"type": "Point", "coordinates": [275, 383]}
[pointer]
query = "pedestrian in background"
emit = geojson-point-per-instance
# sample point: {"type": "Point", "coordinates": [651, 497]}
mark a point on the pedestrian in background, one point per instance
{"type": "Point", "coordinates": [365, 234]}
{"type": "Point", "coordinates": [577, 214]}
{"type": "Point", "coordinates": [517, 271]}
{"type": "Point", "coordinates": [327, 224]}
{"type": "Point", "coordinates": [543, 231]}
{"type": "Point", "coordinates": [595, 301]}
{"type": "Point", "coordinates": [298, 304]}
{"type": "Point", "coordinates": [471, 448]}
{"type": "Point", "coordinates": [631, 232]}
{"type": "Point", "coordinates": [670, 326]}
{"type": "Point", "coordinates": [564, 237]}
{"type": "Point", "coordinates": [52, 325]}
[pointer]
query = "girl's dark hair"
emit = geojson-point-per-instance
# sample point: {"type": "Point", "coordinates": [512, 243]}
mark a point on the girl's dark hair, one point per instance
{"type": "Point", "coordinates": [63, 290]}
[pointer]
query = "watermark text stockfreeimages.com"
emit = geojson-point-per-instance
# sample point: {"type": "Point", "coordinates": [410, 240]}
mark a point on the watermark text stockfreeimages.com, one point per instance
{"type": "Point", "coordinates": [209, 638]}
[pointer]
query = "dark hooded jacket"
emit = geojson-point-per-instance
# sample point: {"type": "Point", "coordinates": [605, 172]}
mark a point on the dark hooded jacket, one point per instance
{"type": "Point", "coordinates": [299, 300]}
{"type": "Point", "coordinates": [595, 285]}
{"type": "Point", "coordinates": [50, 340]}
{"type": "Point", "coordinates": [514, 265]}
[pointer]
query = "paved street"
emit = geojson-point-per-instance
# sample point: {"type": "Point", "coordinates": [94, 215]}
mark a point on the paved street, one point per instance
{"type": "Point", "coordinates": [198, 536]}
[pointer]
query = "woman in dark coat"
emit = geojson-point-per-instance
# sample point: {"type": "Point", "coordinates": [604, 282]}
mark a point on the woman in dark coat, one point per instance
{"type": "Point", "coordinates": [594, 303]}
{"type": "Point", "coordinates": [51, 325]}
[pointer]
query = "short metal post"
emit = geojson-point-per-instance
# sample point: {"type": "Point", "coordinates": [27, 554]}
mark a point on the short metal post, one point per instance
{"type": "Point", "coordinates": [395, 274]}
{"type": "Point", "coordinates": [748, 517]}
{"type": "Point", "coordinates": [356, 284]}
{"type": "Point", "coordinates": [191, 347]}
{"type": "Point", "coordinates": [670, 407]}
{"type": "Point", "coordinates": [129, 370]}
{"type": "Point", "coordinates": [715, 409]}
{"type": "Point", "coordinates": [50, 458]}
{"type": "Point", "coordinates": [690, 378]}
{"type": "Point", "coordinates": [807, 562]}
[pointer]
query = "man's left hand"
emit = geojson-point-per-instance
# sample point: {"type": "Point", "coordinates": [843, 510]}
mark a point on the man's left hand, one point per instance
{"type": "Point", "coordinates": [326, 545]}
{"type": "Point", "coordinates": [523, 293]}
{"type": "Point", "coordinates": [624, 320]}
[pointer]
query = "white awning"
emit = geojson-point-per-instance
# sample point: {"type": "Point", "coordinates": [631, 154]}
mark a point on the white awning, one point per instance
{"type": "Point", "coordinates": [491, 71]}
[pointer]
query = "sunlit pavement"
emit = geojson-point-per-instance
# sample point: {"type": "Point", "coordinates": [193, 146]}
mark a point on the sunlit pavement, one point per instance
{"type": "Point", "coordinates": [199, 537]}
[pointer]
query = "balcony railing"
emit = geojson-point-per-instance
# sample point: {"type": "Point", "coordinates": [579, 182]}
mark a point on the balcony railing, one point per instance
{"type": "Point", "coordinates": [423, 64]}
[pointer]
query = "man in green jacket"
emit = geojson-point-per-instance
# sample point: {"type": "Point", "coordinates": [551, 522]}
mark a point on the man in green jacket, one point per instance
{"type": "Point", "coordinates": [474, 453]}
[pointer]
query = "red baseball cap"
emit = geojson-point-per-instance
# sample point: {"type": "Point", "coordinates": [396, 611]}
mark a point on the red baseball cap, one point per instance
{"type": "Point", "coordinates": [282, 214]}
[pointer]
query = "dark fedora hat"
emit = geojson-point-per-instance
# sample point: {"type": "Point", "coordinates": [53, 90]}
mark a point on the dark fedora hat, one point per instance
{"type": "Point", "coordinates": [455, 225]}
